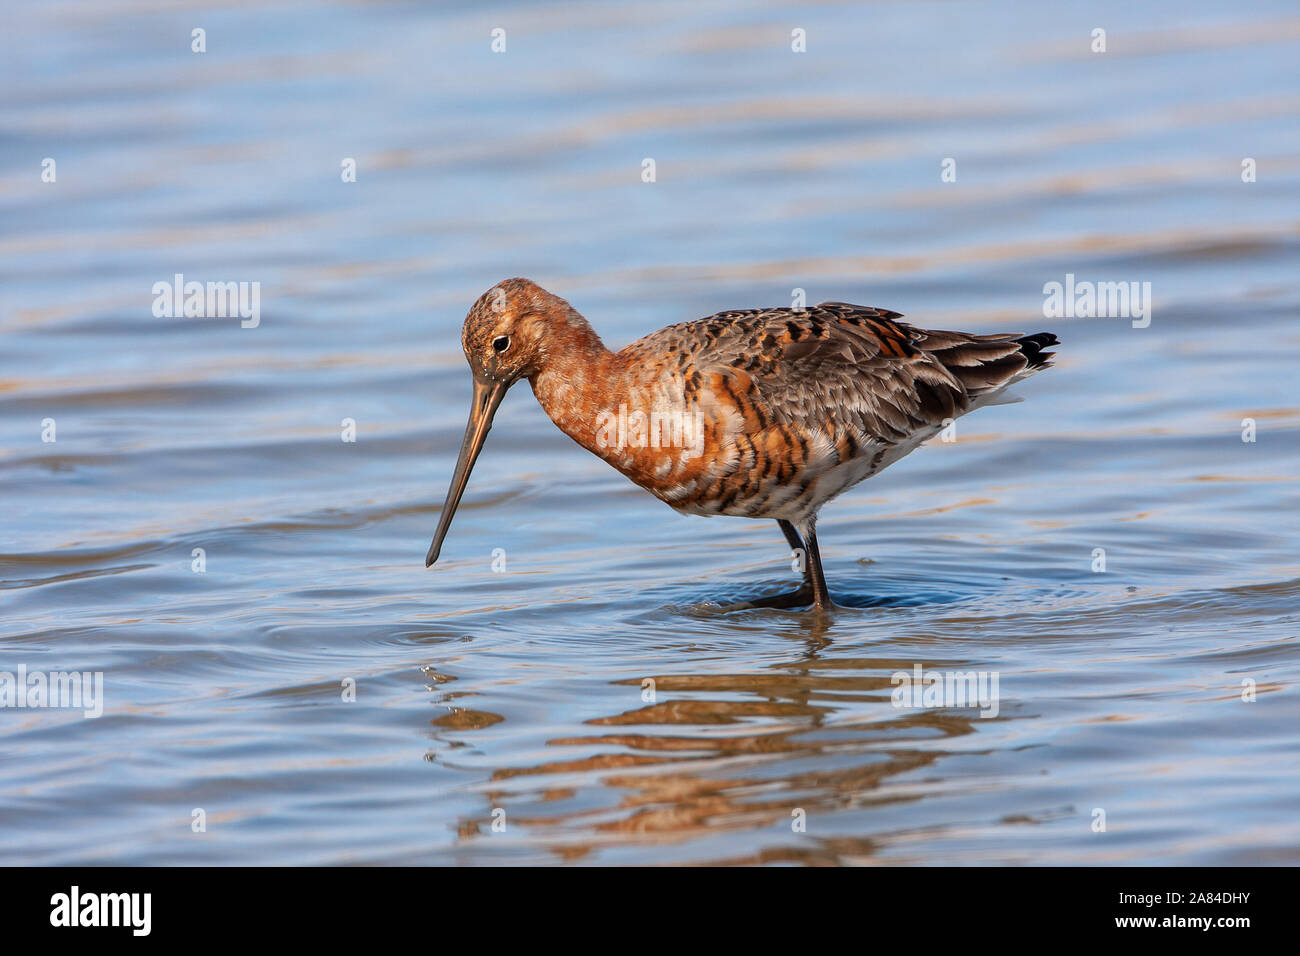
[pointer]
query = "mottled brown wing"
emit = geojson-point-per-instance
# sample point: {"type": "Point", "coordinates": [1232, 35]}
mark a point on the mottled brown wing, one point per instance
{"type": "Point", "coordinates": [851, 365]}
{"type": "Point", "coordinates": [858, 366]}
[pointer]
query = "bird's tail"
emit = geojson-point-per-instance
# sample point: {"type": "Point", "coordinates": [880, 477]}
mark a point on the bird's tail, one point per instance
{"type": "Point", "coordinates": [1031, 346]}
{"type": "Point", "coordinates": [987, 364]}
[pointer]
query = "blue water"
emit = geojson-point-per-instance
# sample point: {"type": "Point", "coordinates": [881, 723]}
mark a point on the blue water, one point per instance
{"type": "Point", "coordinates": [516, 696]}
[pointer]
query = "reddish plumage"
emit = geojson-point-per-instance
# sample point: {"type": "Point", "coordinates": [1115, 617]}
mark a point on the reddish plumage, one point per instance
{"type": "Point", "coordinates": [793, 406]}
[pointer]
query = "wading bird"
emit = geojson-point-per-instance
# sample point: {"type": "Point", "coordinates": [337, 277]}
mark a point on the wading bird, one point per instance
{"type": "Point", "coordinates": [759, 413]}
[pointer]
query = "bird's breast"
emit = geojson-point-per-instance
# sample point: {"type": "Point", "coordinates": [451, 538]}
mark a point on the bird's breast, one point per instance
{"type": "Point", "coordinates": [705, 443]}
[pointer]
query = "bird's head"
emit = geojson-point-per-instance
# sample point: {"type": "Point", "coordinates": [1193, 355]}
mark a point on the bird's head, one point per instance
{"type": "Point", "coordinates": [507, 336]}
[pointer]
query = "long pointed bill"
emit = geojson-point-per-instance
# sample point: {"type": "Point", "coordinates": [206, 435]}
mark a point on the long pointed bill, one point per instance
{"type": "Point", "coordinates": [487, 396]}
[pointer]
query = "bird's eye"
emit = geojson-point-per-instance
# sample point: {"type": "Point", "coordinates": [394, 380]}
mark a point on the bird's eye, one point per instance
{"type": "Point", "coordinates": [501, 343]}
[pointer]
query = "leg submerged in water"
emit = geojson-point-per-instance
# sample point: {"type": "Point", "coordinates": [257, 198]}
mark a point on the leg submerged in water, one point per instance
{"type": "Point", "coordinates": [813, 591]}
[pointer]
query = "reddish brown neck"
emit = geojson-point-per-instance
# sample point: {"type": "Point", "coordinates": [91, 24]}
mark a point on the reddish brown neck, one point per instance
{"type": "Point", "coordinates": [578, 379]}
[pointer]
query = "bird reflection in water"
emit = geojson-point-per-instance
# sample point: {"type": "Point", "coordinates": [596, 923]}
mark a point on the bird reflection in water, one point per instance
{"type": "Point", "coordinates": [739, 751]}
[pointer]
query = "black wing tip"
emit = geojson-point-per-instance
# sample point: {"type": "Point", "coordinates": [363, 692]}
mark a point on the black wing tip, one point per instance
{"type": "Point", "coordinates": [1033, 346]}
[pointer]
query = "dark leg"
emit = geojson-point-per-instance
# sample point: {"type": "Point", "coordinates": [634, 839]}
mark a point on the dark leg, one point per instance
{"type": "Point", "coordinates": [800, 598]}
{"type": "Point", "coordinates": [791, 535]}
{"type": "Point", "coordinates": [821, 596]}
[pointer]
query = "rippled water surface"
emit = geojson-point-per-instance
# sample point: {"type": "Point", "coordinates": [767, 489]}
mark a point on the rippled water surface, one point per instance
{"type": "Point", "coordinates": [518, 696]}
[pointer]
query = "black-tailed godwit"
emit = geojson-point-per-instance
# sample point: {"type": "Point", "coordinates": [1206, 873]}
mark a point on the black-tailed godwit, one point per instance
{"type": "Point", "coordinates": [759, 413]}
